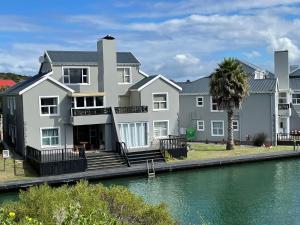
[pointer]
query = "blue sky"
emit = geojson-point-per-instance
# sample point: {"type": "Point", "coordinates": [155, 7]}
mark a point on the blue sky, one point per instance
{"type": "Point", "coordinates": [180, 39]}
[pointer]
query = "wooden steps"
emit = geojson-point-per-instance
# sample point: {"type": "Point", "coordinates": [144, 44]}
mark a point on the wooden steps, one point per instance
{"type": "Point", "coordinates": [142, 156]}
{"type": "Point", "coordinates": [104, 160]}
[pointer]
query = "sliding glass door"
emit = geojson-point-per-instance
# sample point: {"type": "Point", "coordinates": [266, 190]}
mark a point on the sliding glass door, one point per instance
{"type": "Point", "coordinates": [134, 134]}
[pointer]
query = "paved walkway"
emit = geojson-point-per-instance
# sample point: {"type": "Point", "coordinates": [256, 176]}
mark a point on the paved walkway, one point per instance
{"type": "Point", "coordinates": [142, 169]}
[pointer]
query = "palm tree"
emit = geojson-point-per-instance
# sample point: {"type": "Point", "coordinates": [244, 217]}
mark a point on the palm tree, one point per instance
{"type": "Point", "coordinates": [228, 87]}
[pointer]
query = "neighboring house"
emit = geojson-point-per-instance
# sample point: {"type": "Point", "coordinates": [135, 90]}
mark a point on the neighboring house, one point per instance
{"type": "Point", "coordinates": [92, 99]}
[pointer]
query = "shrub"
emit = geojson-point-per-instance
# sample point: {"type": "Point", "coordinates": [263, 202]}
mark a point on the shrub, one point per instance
{"type": "Point", "coordinates": [259, 139]}
{"type": "Point", "coordinates": [85, 204]}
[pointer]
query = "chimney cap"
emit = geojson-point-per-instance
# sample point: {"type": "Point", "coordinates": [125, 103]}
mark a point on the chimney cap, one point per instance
{"type": "Point", "coordinates": [109, 37]}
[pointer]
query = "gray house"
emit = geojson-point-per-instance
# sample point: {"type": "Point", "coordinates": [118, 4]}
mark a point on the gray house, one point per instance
{"type": "Point", "coordinates": [90, 99]}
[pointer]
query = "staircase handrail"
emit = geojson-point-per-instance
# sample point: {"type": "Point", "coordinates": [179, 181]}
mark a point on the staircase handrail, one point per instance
{"type": "Point", "coordinates": [123, 150]}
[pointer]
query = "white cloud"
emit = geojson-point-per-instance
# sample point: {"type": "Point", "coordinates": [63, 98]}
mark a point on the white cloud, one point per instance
{"type": "Point", "coordinates": [252, 54]}
{"type": "Point", "coordinates": [186, 59]}
{"type": "Point", "coordinates": [13, 23]}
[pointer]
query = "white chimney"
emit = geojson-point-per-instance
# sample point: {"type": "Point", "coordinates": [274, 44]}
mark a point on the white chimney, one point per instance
{"type": "Point", "coordinates": [107, 69]}
{"type": "Point", "coordinates": [281, 70]}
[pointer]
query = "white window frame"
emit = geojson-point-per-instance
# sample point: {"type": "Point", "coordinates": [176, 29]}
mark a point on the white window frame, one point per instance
{"type": "Point", "coordinates": [40, 106]}
{"type": "Point", "coordinates": [297, 99]}
{"type": "Point", "coordinates": [211, 106]}
{"type": "Point", "coordinates": [124, 75]}
{"type": "Point", "coordinates": [77, 67]}
{"type": "Point", "coordinates": [285, 98]}
{"type": "Point", "coordinates": [237, 125]}
{"type": "Point", "coordinates": [41, 137]}
{"type": "Point", "coordinates": [203, 125]}
{"type": "Point", "coordinates": [89, 107]}
{"type": "Point", "coordinates": [168, 128]}
{"type": "Point", "coordinates": [147, 133]}
{"type": "Point", "coordinates": [212, 130]}
{"type": "Point", "coordinates": [167, 101]}
{"type": "Point", "coordinates": [197, 101]}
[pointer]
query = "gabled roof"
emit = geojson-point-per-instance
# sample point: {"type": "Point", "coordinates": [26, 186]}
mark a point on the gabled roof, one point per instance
{"type": "Point", "coordinates": [295, 73]}
{"type": "Point", "coordinates": [87, 57]}
{"type": "Point", "coordinates": [5, 83]}
{"type": "Point", "coordinates": [201, 86]}
{"type": "Point", "coordinates": [26, 85]}
{"type": "Point", "coordinates": [295, 83]}
{"type": "Point", "coordinates": [148, 80]}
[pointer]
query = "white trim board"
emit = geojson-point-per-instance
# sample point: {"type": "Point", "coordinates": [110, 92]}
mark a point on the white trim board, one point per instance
{"type": "Point", "coordinates": [143, 73]}
{"type": "Point", "coordinates": [45, 77]}
{"type": "Point", "coordinates": [164, 79]}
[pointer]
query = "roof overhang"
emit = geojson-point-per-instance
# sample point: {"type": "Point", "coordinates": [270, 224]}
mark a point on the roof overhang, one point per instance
{"type": "Point", "coordinates": [87, 94]}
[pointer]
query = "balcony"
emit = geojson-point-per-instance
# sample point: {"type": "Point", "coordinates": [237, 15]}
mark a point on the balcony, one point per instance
{"type": "Point", "coordinates": [131, 109]}
{"type": "Point", "coordinates": [284, 110]}
{"type": "Point", "coordinates": [89, 116]}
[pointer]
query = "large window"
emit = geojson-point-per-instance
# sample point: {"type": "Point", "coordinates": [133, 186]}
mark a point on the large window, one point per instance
{"type": "Point", "coordinates": [160, 101]}
{"type": "Point", "coordinates": [76, 75]}
{"type": "Point", "coordinates": [134, 134]}
{"type": "Point", "coordinates": [296, 99]}
{"type": "Point", "coordinates": [88, 102]}
{"type": "Point", "coordinates": [199, 101]}
{"type": "Point", "coordinates": [160, 129]}
{"type": "Point", "coordinates": [214, 105]}
{"type": "Point", "coordinates": [217, 128]}
{"type": "Point", "coordinates": [200, 125]}
{"type": "Point", "coordinates": [49, 106]}
{"type": "Point", "coordinates": [50, 137]}
{"type": "Point", "coordinates": [124, 74]}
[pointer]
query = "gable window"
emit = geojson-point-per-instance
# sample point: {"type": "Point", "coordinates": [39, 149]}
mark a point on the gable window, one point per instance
{"type": "Point", "coordinates": [160, 129]}
{"type": "Point", "coordinates": [49, 106]}
{"type": "Point", "coordinates": [235, 125]}
{"type": "Point", "coordinates": [199, 101]}
{"type": "Point", "coordinates": [160, 101]}
{"type": "Point", "coordinates": [124, 75]}
{"type": "Point", "coordinates": [217, 128]}
{"type": "Point", "coordinates": [296, 99]}
{"type": "Point", "coordinates": [214, 105]}
{"type": "Point", "coordinates": [88, 102]}
{"type": "Point", "coordinates": [49, 137]}
{"type": "Point", "coordinates": [200, 125]}
{"type": "Point", "coordinates": [75, 75]}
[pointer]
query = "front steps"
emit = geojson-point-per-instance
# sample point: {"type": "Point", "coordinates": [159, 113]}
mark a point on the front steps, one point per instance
{"type": "Point", "coordinates": [104, 160]}
{"type": "Point", "coordinates": [142, 156]}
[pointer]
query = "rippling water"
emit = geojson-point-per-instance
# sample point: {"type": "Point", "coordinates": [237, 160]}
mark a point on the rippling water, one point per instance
{"type": "Point", "coordinates": [259, 193]}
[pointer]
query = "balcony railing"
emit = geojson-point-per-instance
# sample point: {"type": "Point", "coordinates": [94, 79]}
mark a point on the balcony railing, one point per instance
{"type": "Point", "coordinates": [131, 109]}
{"type": "Point", "coordinates": [283, 106]}
{"type": "Point", "coordinates": [91, 112]}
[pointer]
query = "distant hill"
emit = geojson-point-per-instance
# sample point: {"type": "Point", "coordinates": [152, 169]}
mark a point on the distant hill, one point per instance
{"type": "Point", "coordinates": [12, 76]}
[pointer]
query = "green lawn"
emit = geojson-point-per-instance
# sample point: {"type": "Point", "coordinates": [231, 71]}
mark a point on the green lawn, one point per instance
{"type": "Point", "coordinates": [208, 151]}
{"type": "Point", "coordinates": [23, 171]}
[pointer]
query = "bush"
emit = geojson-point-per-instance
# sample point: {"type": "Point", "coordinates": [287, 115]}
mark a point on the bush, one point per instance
{"type": "Point", "coordinates": [85, 204]}
{"type": "Point", "coordinates": [259, 139]}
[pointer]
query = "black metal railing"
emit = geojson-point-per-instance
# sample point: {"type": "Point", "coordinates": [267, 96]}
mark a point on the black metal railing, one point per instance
{"type": "Point", "coordinates": [123, 151]}
{"type": "Point", "coordinates": [283, 106]}
{"type": "Point", "coordinates": [54, 155]}
{"type": "Point", "coordinates": [90, 112]}
{"type": "Point", "coordinates": [131, 109]}
{"type": "Point", "coordinates": [293, 136]}
{"type": "Point", "coordinates": [175, 146]}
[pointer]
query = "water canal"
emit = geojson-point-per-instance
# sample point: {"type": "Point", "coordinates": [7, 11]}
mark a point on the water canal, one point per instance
{"type": "Point", "coordinates": [257, 193]}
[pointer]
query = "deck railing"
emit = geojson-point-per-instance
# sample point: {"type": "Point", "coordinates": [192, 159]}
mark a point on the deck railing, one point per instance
{"type": "Point", "coordinates": [56, 161]}
{"type": "Point", "coordinates": [90, 112]}
{"type": "Point", "coordinates": [123, 151]}
{"type": "Point", "coordinates": [288, 136]}
{"type": "Point", "coordinates": [174, 145]}
{"type": "Point", "coordinates": [283, 106]}
{"type": "Point", "coordinates": [131, 109]}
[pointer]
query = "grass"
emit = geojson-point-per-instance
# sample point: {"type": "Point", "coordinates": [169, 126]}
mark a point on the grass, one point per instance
{"type": "Point", "coordinates": [200, 151]}
{"type": "Point", "coordinates": [23, 171]}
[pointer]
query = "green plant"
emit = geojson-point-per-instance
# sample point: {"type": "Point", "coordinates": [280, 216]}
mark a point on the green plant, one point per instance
{"type": "Point", "coordinates": [259, 139]}
{"type": "Point", "coordinates": [86, 204]}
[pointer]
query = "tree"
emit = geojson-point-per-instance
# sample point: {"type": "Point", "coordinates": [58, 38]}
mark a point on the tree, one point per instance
{"type": "Point", "coordinates": [228, 87]}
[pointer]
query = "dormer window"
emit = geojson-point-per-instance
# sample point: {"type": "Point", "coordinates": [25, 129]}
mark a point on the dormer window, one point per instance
{"type": "Point", "coordinates": [124, 74]}
{"type": "Point", "coordinates": [76, 75]}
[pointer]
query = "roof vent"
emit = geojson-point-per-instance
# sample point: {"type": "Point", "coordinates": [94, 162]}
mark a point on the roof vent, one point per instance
{"type": "Point", "coordinates": [108, 37]}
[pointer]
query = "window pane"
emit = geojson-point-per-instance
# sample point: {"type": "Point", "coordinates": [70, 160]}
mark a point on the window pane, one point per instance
{"type": "Point", "coordinates": [46, 141]}
{"type": "Point", "coordinates": [85, 80]}
{"type": "Point", "coordinates": [80, 101]}
{"type": "Point", "coordinates": [45, 110]}
{"type": "Point", "coordinates": [89, 101]}
{"type": "Point", "coordinates": [127, 79]}
{"type": "Point", "coordinates": [75, 75]}
{"type": "Point", "coordinates": [84, 72]}
{"type": "Point", "coordinates": [54, 141]}
{"type": "Point", "coordinates": [156, 105]}
{"type": "Point", "coordinates": [99, 101]}
{"type": "Point", "coordinates": [126, 71]}
{"type": "Point", "coordinates": [160, 97]}
{"type": "Point", "coordinates": [163, 105]}
{"type": "Point", "coordinates": [66, 71]}
{"type": "Point", "coordinates": [66, 80]}
{"type": "Point", "coordinates": [53, 110]}
{"type": "Point", "coordinates": [48, 101]}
